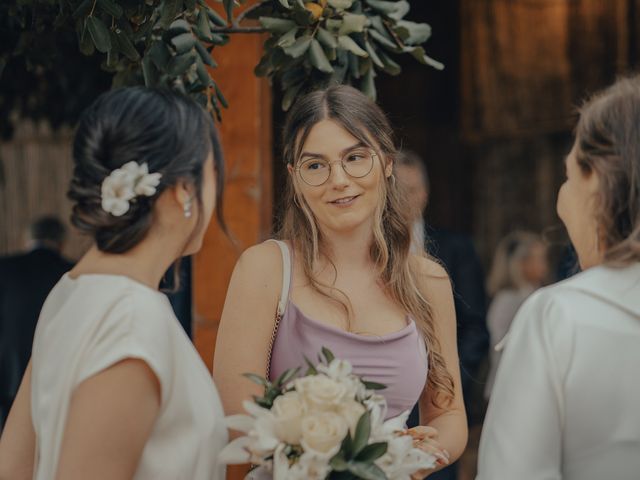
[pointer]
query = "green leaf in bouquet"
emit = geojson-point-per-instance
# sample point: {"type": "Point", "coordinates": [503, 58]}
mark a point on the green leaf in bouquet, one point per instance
{"type": "Point", "coordinates": [346, 447]}
{"type": "Point", "coordinates": [311, 370]}
{"type": "Point", "coordinates": [367, 471]}
{"type": "Point", "coordinates": [262, 402]}
{"type": "Point", "coordinates": [373, 385]}
{"type": "Point", "coordinates": [361, 436]}
{"type": "Point", "coordinates": [256, 379]}
{"type": "Point", "coordinates": [328, 354]}
{"type": "Point", "coordinates": [286, 376]}
{"type": "Point", "coordinates": [372, 452]}
{"type": "Point", "coordinates": [338, 463]}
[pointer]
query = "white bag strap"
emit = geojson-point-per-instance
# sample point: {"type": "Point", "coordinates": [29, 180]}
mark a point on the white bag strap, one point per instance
{"type": "Point", "coordinates": [286, 276]}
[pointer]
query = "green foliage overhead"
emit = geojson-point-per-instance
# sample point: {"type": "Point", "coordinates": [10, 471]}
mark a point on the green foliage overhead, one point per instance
{"type": "Point", "coordinates": [57, 55]}
{"type": "Point", "coordinates": [313, 44]}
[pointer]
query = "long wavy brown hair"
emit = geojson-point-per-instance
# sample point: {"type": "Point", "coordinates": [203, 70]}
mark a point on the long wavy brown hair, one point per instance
{"type": "Point", "coordinates": [391, 243]}
{"type": "Point", "coordinates": [608, 142]}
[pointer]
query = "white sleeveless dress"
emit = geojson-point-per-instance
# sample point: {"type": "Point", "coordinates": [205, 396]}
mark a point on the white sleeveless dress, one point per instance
{"type": "Point", "coordinates": [90, 323]}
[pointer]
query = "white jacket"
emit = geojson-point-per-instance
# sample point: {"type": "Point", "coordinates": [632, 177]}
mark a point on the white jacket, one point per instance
{"type": "Point", "coordinates": [566, 402]}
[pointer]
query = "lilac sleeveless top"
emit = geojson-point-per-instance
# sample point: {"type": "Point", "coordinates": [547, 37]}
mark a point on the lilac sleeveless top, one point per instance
{"type": "Point", "coordinates": [398, 360]}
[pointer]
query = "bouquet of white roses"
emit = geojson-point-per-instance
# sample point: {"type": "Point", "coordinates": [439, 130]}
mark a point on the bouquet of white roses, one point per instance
{"type": "Point", "coordinates": [327, 424]}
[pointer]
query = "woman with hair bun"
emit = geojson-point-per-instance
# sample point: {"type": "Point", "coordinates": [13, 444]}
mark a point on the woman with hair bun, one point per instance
{"type": "Point", "coordinates": [115, 389]}
{"type": "Point", "coordinates": [565, 400]}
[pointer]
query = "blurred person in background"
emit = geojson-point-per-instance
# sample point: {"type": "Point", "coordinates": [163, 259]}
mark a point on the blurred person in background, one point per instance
{"type": "Point", "coordinates": [520, 267]}
{"type": "Point", "coordinates": [457, 254]}
{"type": "Point", "coordinates": [565, 401]}
{"type": "Point", "coordinates": [25, 281]}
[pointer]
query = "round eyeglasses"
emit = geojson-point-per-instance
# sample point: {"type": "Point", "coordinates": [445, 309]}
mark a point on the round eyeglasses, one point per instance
{"type": "Point", "coordinates": [316, 171]}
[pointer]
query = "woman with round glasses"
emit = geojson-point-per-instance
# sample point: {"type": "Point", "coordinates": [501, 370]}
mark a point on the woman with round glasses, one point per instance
{"type": "Point", "coordinates": [342, 277]}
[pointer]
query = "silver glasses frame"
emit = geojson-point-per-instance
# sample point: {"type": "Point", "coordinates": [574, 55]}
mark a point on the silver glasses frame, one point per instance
{"type": "Point", "coordinates": [297, 168]}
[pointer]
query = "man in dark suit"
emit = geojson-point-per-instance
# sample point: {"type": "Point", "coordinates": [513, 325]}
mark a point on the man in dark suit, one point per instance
{"type": "Point", "coordinates": [457, 254]}
{"type": "Point", "coordinates": [25, 282]}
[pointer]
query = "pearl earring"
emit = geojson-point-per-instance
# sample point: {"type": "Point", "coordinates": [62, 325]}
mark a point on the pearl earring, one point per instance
{"type": "Point", "coordinates": [187, 208]}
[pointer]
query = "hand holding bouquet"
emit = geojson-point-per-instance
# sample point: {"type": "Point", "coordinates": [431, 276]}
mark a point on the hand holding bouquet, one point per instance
{"type": "Point", "coordinates": [328, 424]}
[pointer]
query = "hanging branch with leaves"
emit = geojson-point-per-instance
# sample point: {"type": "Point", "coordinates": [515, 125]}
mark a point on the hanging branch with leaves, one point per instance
{"type": "Point", "coordinates": [172, 43]}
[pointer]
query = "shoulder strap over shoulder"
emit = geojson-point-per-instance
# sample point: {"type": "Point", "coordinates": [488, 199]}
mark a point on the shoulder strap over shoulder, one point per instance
{"type": "Point", "coordinates": [286, 276]}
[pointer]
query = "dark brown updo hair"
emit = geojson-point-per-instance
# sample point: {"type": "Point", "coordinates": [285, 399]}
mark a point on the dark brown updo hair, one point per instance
{"type": "Point", "coordinates": [608, 142]}
{"type": "Point", "coordinates": [168, 131]}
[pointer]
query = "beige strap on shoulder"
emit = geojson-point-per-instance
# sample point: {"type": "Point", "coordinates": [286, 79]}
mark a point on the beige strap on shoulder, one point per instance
{"type": "Point", "coordinates": [286, 276]}
{"type": "Point", "coordinates": [282, 302]}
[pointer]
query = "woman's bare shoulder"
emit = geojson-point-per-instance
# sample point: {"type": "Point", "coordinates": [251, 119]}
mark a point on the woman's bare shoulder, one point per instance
{"type": "Point", "coordinates": [262, 257]}
{"type": "Point", "coordinates": [428, 268]}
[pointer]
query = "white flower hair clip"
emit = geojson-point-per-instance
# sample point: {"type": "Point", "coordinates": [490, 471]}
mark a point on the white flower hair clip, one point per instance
{"type": "Point", "coordinates": [126, 183]}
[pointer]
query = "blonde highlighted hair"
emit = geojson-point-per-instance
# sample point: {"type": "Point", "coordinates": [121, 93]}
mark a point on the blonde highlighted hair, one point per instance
{"type": "Point", "coordinates": [390, 249]}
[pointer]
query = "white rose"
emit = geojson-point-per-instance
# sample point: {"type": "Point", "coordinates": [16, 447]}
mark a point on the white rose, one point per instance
{"type": "Point", "coordinates": [321, 393]}
{"type": "Point", "coordinates": [288, 410]}
{"type": "Point", "coordinates": [323, 433]}
{"type": "Point", "coordinates": [351, 412]}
